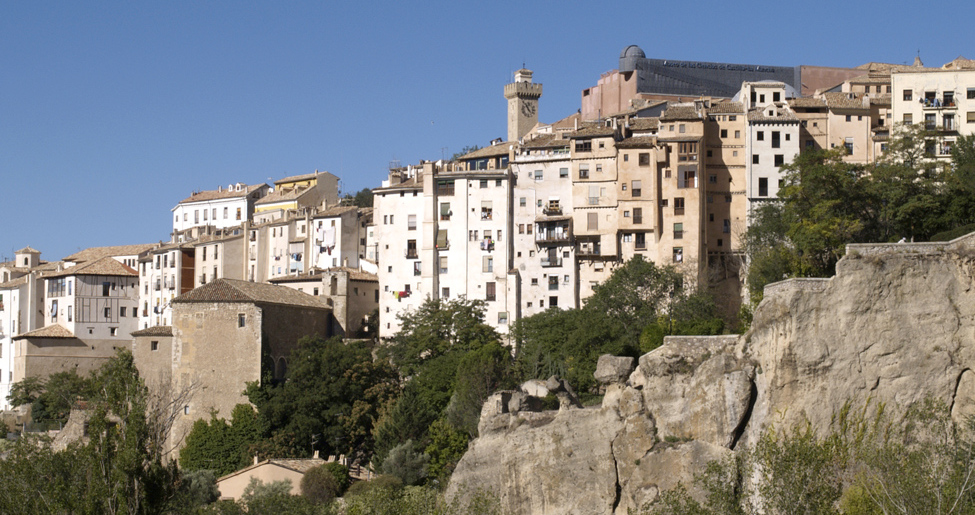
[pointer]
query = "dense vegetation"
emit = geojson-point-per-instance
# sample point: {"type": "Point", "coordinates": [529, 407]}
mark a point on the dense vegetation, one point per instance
{"type": "Point", "coordinates": [870, 463]}
{"type": "Point", "coordinates": [826, 203]}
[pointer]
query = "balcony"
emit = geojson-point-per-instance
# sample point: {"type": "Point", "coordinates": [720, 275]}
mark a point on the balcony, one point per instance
{"type": "Point", "coordinates": [548, 234]}
{"type": "Point", "coordinates": [552, 209]}
{"type": "Point", "coordinates": [551, 262]}
{"type": "Point", "coordinates": [938, 103]}
{"type": "Point", "coordinates": [410, 254]}
{"type": "Point", "coordinates": [487, 245]}
{"type": "Point", "coordinates": [588, 248]}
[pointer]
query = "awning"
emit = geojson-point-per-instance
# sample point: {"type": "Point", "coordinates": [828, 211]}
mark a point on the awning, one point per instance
{"type": "Point", "coordinates": [442, 239]}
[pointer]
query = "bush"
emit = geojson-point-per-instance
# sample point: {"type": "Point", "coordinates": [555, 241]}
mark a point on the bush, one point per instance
{"type": "Point", "coordinates": [319, 486]}
{"type": "Point", "coordinates": [341, 474]}
{"type": "Point", "coordinates": [406, 463]}
{"type": "Point", "coordinates": [383, 482]}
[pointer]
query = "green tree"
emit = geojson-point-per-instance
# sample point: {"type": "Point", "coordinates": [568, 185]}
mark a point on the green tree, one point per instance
{"type": "Point", "coordinates": [439, 326]}
{"type": "Point", "coordinates": [330, 400]}
{"type": "Point", "coordinates": [221, 446]}
{"type": "Point", "coordinates": [319, 485]}
{"type": "Point", "coordinates": [480, 373]}
{"type": "Point", "coordinates": [447, 446]}
{"type": "Point", "coordinates": [406, 463]}
{"type": "Point", "coordinates": [634, 296]}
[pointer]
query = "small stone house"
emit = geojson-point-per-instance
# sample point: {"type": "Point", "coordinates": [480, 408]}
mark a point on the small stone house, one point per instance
{"type": "Point", "coordinates": [223, 334]}
{"type": "Point", "coordinates": [232, 485]}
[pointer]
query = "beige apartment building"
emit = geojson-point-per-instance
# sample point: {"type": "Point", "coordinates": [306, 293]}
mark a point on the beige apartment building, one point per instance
{"type": "Point", "coordinates": [943, 100]}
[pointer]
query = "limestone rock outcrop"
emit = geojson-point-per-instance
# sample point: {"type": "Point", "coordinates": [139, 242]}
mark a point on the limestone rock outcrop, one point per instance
{"type": "Point", "coordinates": [895, 325]}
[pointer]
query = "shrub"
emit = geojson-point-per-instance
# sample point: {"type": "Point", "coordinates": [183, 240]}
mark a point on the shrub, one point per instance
{"type": "Point", "coordinates": [319, 486]}
{"type": "Point", "coordinates": [341, 474]}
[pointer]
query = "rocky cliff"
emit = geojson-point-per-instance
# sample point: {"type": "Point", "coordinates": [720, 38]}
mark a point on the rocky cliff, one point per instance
{"type": "Point", "coordinates": [896, 324]}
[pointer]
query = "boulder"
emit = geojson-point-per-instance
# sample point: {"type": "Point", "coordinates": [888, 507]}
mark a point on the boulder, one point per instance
{"type": "Point", "coordinates": [613, 369]}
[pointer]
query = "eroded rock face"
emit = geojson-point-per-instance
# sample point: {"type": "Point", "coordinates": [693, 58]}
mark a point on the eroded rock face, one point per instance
{"type": "Point", "coordinates": [895, 325]}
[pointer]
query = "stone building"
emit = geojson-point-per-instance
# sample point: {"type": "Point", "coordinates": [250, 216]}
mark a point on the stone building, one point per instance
{"type": "Point", "coordinates": [225, 333]}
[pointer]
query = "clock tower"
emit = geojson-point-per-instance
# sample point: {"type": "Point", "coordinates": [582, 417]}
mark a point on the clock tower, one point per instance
{"type": "Point", "coordinates": [522, 98]}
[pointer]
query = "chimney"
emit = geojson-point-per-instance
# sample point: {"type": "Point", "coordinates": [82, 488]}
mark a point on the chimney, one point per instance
{"type": "Point", "coordinates": [316, 455]}
{"type": "Point", "coordinates": [255, 459]}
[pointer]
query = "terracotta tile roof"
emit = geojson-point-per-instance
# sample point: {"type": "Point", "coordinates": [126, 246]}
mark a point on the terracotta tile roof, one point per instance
{"type": "Point", "coordinates": [335, 211]}
{"type": "Point", "coordinates": [234, 290]}
{"type": "Point", "coordinates": [782, 115]}
{"type": "Point", "coordinates": [275, 196]}
{"type": "Point", "coordinates": [644, 124]}
{"type": "Point", "coordinates": [727, 107]}
{"type": "Point", "coordinates": [96, 253]}
{"type": "Point", "coordinates": [844, 100]}
{"type": "Point", "coordinates": [807, 102]}
{"type": "Point", "coordinates": [28, 250]}
{"type": "Point", "coordinates": [680, 112]}
{"type": "Point", "coordinates": [315, 274]}
{"type": "Point", "coordinates": [569, 122]}
{"type": "Point", "coordinates": [960, 63]}
{"type": "Point", "coordinates": [104, 266]}
{"type": "Point", "coordinates": [637, 142]}
{"type": "Point", "coordinates": [500, 149]}
{"type": "Point", "coordinates": [592, 131]}
{"type": "Point", "coordinates": [883, 100]}
{"type": "Point", "coordinates": [355, 274]}
{"type": "Point", "coordinates": [51, 331]}
{"type": "Point", "coordinates": [547, 141]}
{"type": "Point", "coordinates": [870, 79]}
{"type": "Point", "coordinates": [301, 465]}
{"type": "Point", "coordinates": [159, 330]}
{"type": "Point", "coordinates": [302, 177]}
{"type": "Point", "coordinates": [222, 194]}
{"type": "Point", "coordinates": [410, 184]}
{"type": "Point", "coordinates": [13, 283]}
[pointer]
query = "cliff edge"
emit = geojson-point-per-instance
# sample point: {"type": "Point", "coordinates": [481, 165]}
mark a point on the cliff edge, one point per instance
{"type": "Point", "coordinates": [896, 324]}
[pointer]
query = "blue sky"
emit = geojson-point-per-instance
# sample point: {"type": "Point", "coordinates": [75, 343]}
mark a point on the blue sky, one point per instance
{"type": "Point", "coordinates": [113, 112]}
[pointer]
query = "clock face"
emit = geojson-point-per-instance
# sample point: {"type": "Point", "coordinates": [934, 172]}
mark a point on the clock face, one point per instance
{"type": "Point", "coordinates": [527, 108]}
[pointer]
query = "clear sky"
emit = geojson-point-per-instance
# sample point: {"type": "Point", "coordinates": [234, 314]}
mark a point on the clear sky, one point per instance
{"type": "Point", "coordinates": [113, 112]}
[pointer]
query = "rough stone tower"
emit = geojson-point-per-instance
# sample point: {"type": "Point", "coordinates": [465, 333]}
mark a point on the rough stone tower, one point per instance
{"type": "Point", "coordinates": [522, 98]}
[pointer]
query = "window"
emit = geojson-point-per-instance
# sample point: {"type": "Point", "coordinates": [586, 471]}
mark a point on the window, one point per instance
{"type": "Point", "coordinates": [680, 128]}
{"type": "Point", "coordinates": [497, 184]}
{"type": "Point", "coordinates": [487, 264]}
{"type": "Point", "coordinates": [113, 331]}
{"type": "Point", "coordinates": [626, 158]}
{"type": "Point", "coordinates": [848, 144]}
{"type": "Point", "coordinates": [909, 95]}
{"type": "Point", "coordinates": [599, 168]}
{"type": "Point", "coordinates": [754, 159]}
{"type": "Point", "coordinates": [411, 222]}
{"type": "Point", "coordinates": [502, 318]}
{"type": "Point", "coordinates": [688, 178]}
{"type": "Point", "coordinates": [713, 178]}
{"type": "Point", "coordinates": [593, 195]}
{"type": "Point", "coordinates": [592, 220]}
{"type": "Point", "coordinates": [848, 118]}
{"type": "Point", "coordinates": [445, 211]}
{"type": "Point", "coordinates": [204, 215]}
{"type": "Point", "coordinates": [553, 283]}
{"type": "Point", "coordinates": [779, 159]}
{"type": "Point", "coordinates": [154, 345]}
{"type": "Point", "coordinates": [521, 228]}
{"type": "Point", "coordinates": [775, 96]}
{"type": "Point", "coordinates": [678, 206]}
{"type": "Point", "coordinates": [762, 186]}
{"type": "Point", "coordinates": [226, 213]}
{"type": "Point", "coordinates": [637, 188]}
{"type": "Point", "coordinates": [760, 135]}
{"type": "Point", "coordinates": [443, 264]}
{"type": "Point", "coordinates": [726, 226]}
{"type": "Point", "coordinates": [583, 171]}
{"type": "Point", "coordinates": [54, 311]}
{"type": "Point", "coordinates": [970, 117]}
{"type": "Point", "coordinates": [105, 288]}
{"type": "Point", "coordinates": [678, 231]}
{"type": "Point", "coordinates": [238, 213]}
{"type": "Point", "coordinates": [489, 293]}
{"type": "Point", "coordinates": [411, 249]}
{"type": "Point", "coordinates": [539, 175]}
{"type": "Point", "coordinates": [121, 312]}
{"type": "Point", "coordinates": [776, 143]}
{"type": "Point", "coordinates": [534, 281]}
{"type": "Point", "coordinates": [644, 159]}
{"type": "Point", "coordinates": [678, 254]}
{"type": "Point", "coordinates": [445, 188]}
{"type": "Point", "coordinates": [241, 320]}
{"type": "Point", "coordinates": [563, 173]}
{"type": "Point", "coordinates": [724, 133]}
{"type": "Point", "coordinates": [487, 210]}
{"type": "Point", "coordinates": [638, 215]}
{"type": "Point", "coordinates": [483, 183]}
{"type": "Point", "coordinates": [641, 241]}
{"type": "Point", "coordinates": [908, 117]}
{"type": "Point", "coordinates": [522, 202]}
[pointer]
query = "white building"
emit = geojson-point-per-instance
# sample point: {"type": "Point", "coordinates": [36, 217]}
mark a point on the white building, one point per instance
{"type": "Point", "coordinates": [543, 245]}
{"type": "Point", "coordinates": [943, 100]}
{"type": "Point", "coordinates": [771, 138]}
{"type": "Point", "coordinates": [220, 208]}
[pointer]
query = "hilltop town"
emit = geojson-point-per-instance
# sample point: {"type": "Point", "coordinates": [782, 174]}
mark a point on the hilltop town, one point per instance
{"type": "Point", "coordinates": [666, 161]}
